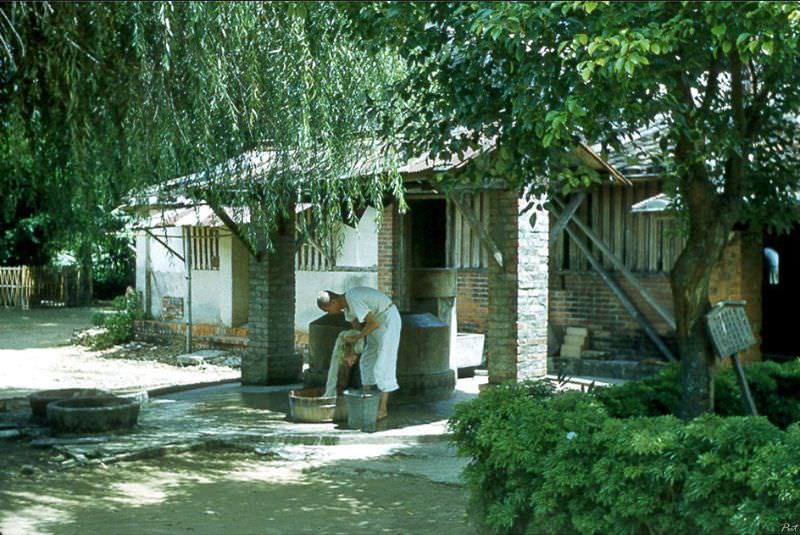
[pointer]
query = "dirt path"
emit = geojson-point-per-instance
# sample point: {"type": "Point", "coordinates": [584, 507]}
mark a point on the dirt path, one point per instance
{"type": "Point", "coordinates": [232, 494]}
{"type": "Point", "coordinates": [35, 355]}
{"type": "Point", "coordinates": [41, 327]}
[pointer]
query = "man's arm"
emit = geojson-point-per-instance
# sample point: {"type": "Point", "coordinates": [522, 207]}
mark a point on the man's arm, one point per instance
{"type": "Point", "coordinates": [369, 325]}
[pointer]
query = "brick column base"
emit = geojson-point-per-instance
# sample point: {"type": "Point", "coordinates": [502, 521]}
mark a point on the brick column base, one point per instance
{"type": "Point", "coordinates": [270, 357]}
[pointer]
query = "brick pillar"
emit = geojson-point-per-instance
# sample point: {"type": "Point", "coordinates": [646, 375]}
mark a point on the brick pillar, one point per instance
{"type": "Point", "coordinates": [270, 357]}
{"type": "Point", "coordinates": [517, 327]}
{"type": "Point", "coordinates": [392, 271]}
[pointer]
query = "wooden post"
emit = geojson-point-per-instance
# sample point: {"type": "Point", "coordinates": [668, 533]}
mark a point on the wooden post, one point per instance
{"type": "Point", "coordinates": [187, 248]}
{"type": "Point", "coordinates": [747, 397]}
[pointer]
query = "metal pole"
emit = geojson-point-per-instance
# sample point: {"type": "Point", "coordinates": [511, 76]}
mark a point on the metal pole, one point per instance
{"type": "Point", "coordinates": [747, 397]}
{"type": "Point", "coordinates": [187, 262]}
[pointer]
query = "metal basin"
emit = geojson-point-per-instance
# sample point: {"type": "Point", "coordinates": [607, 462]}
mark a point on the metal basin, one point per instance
{"type": "Point", "coordinates": [40, 400]}
{"type": "Point", "coordinates": [93, 414]}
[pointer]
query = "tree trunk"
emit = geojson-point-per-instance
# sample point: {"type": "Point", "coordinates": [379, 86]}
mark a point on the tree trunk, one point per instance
{"type": "Point", "coordinates": [85, 288]}
{"type": "Point", "coordinates": [709, 226]}
{"type": "Point", "coordinates": [690, 285]}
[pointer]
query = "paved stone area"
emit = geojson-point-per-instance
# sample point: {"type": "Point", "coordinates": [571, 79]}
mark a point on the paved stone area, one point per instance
{"type": "Point", "coordinates": [245, 418]}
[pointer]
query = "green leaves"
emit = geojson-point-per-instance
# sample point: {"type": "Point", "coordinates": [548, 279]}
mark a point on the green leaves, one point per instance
{"type": "Point", "coordinates": [117, 97]}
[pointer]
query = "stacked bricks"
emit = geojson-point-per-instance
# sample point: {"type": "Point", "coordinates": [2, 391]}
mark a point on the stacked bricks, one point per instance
{"type": "Point", "coordinates": [574, 342]}
{"type": "Point", "coordinates": [472, 301]}
{"type": "Point", "coordinates": [270, 357]}
{"type": "Point", "coordinates": [518, 301]}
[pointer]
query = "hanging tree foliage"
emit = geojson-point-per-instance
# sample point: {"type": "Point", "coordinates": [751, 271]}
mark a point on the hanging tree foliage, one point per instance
{"type": "Point", "coordinates": [720, 78]}
{"type": "Point", "coordinates": [100, 99]}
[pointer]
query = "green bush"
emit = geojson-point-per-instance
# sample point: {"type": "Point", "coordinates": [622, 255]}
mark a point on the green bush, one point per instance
{"type": "Point", "coordinates": [775, 388]}
{"type": "Point", "coordinates": [119, 323]}
{"type": "Point", "coordinates": [545, 462]}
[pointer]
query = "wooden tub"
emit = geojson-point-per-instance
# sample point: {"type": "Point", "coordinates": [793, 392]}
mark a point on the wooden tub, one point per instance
{"type": "Point", "coordinates": [309, 405]}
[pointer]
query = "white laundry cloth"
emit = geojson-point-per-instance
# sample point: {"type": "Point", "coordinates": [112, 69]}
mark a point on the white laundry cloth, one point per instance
{"type": "Point", "coordinates": [336, 359]}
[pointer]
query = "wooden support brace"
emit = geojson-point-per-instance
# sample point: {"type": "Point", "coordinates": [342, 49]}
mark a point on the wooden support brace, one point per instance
{"type": "Point", "coordinates": [475, 224]}
{"type": "Point", "coordinates": [620, 265]}
{"type": "Point", "coordinates": [566, 215]}
{"type": "Point", "coordinates": [164, 244]}
{"type": "Point", "coordinates": [234, 228]}
{"type": "Point", "coordinates": [620, 294]}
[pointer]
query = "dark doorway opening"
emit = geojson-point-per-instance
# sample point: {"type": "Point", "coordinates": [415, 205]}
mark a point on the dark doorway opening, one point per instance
{"type": "Point", "coordinates": [780, 301]}
{"type": "Point", "coordinates": [428, 233]}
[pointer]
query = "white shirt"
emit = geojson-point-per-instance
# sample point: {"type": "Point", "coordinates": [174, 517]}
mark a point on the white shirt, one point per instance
{"type": "Point", "coordinates": [362, 300]}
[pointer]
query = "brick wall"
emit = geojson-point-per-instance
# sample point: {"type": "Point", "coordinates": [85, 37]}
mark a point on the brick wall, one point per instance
{"type": "Point", "coordinates": [581, 299]}
{"type": "Point", "coordinates": [387, 257]}
{"type": "Point", "coordinates": [738, 276]}
{"type": "Point", "coordinates": [472, 302]}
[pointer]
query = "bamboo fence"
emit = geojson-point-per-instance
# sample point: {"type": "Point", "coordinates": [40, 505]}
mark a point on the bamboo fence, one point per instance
{"type": "Point", "coordinates": [29, 286]}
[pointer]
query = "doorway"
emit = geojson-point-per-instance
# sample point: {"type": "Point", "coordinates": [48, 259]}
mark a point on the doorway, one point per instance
{"type": "Point", "coordinates": [781, 298]}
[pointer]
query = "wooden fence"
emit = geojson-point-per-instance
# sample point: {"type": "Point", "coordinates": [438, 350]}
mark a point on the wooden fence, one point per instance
{"type": "Point", "coordinates": [25, 286]}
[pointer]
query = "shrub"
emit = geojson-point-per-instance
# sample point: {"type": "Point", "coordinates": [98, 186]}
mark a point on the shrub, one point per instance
{"type": "Point", "coordinates": [775, 388]}
{"type": "Point", "coordinates": [545, 462]}
{"type": "Point", "coordinates": [119, 323]}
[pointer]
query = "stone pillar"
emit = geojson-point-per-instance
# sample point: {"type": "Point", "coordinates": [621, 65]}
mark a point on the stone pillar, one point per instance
{"type": "Point", "coordinates": [270, 357]}
{"type": "Point", "coordinates": [517, 329]}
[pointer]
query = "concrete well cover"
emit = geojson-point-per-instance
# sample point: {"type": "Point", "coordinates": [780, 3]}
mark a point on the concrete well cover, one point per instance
{"type": "Point", "coordinates": [93, 414]}
{"type": "Point", "coordinates": [40, 400]}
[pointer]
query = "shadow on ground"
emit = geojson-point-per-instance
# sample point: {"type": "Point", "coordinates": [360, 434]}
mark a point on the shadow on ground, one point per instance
{"type": "Point", "coordinates": [233, 494]}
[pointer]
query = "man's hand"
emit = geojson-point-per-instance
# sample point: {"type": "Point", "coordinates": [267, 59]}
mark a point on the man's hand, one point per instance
{"type": "Point", "coordinates": [349, 360]}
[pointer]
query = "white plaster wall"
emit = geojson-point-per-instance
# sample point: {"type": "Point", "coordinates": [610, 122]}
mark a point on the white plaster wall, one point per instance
{"type": "Point", "coordinates": [212, 291]}
{"type": "Point", "coordinates": [166, 270]}
{"type": "Point", "coordinates": [222, 296]}
{"type": "Point", "coordinates": [209, 296]}
{"type": "Point", "coordinates": [141, 262]}
{"type": "Point", "coordinates": [359, 250]}
{"type": "Point", "coordinates": [309, 283]}
{"type": "Point", "coordinates": [360, 246]}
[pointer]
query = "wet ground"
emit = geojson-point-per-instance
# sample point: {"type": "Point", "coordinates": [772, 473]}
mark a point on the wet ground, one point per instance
{"type": "Point", "coordinates": [226, 459]}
